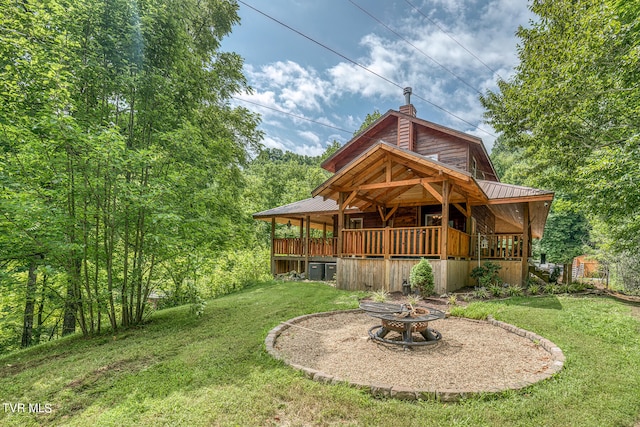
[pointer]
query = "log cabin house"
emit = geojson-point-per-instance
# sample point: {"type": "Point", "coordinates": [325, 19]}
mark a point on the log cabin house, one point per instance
{"type": "Point", "coordinates": [405, 189]}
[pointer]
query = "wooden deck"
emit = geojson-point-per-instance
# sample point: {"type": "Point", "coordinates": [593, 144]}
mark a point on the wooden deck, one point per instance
{"type": "Point", "coordinates": [402, 243]}
{"type": "Point", "coordinates": [381, 258]}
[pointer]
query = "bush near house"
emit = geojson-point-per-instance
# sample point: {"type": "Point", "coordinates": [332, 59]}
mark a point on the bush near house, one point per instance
{"type": "Point", "coordinates": [421, 277]}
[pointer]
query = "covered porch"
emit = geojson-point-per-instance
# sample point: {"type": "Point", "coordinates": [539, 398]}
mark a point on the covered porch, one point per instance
{"type": "Point", "coordinates": [389, 207]}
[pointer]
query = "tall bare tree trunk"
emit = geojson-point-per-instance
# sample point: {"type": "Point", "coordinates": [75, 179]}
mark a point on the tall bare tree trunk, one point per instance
{"type": "Point", "coordinates": [70, 308]}
{"type": "Point", "coordinates": [27, 324]}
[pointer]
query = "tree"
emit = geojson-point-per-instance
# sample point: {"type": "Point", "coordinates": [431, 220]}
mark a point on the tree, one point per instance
{"type": "Point", "coordinates": [572, 106]}
{"type": "Point", "coordinates": [566, 236]}
{"type": "Point", "coordinates": [120, 149]}
{"type": "Point", "coordinates": [368, 121]}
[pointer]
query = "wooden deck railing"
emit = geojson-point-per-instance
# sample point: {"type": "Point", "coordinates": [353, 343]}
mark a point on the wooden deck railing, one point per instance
{"type": "Point", "coordinates": [498, 246]}
{"type": "Point", "coordinates": [295, 247]}
{"type": "Point", "coordinates": [415, 241]}
{"type": "Point", "coordinates": [406, 241]}
{"type": "Point", "coordinates": [459, 243]}
{"type": "Point", "coordinates": [323, 247]}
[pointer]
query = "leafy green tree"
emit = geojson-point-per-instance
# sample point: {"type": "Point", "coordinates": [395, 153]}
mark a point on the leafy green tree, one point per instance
{"type": "Point", "coordinates": [120, 150]}
{"type": "Point", "coordinates": [566, 236]}
{"type": "Point", "coordinates": [368, 121]}
{"type": "Point", "coordinates": [572, 106]}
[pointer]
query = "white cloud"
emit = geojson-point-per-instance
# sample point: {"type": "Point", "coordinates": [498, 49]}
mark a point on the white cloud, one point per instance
{"type": "Point", "coordinates": [271, 142]}
{"type": "Point", "coordinates": [310, 136]}
{"type": "Point", "coordinates": [296, 87]}
{"type": "Point", "coordinates": [485, 27]}
{"type": "Point", "coordinates": [310, 150]}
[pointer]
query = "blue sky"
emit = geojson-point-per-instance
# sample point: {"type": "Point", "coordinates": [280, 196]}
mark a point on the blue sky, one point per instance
{"type": "Point", "coordinates": [430, 53]}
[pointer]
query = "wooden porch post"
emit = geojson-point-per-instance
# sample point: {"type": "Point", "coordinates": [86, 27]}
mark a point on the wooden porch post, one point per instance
{"type": "Point", "coordinates": [340, 222]}
{"type": "Point", "coordinates": [468, 226]}
{"type": "Point", "coordinates": [273, 246]}
{"type": "Point", "coordinates": [444, 243]}
{"type": "Point", "coordinates": [301, 245]}
{"type": "Point", "coordinates": [324, 238]}
{"type": "Point", "coordinates": [526, 230]}
{"type": "Point", "coordinates": [306, 245]}
{"type": "Point", "coordinates": [386, 241]}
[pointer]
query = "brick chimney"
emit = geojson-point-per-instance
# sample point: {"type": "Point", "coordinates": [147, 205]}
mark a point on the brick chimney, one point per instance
{"type": "Point", "coordinates": [405, 127]}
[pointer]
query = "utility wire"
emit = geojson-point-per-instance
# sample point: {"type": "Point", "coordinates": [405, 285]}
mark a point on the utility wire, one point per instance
{"type": "Point", "coordinates": [363, 67]}
{"type": "Point", "coordinates": [415, 47]}
{"type": "Point", "coordinates": [453, 38]}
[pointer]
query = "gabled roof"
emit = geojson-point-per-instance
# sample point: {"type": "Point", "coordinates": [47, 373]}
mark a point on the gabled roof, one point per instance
{"type": "Point", "coordinates": [368, 136]}
{"type": "Point", "coordinates": [386, 175]}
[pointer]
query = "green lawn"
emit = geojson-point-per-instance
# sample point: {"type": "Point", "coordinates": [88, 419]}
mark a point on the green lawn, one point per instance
{"type": "Point", "coordinates": [213, 370]}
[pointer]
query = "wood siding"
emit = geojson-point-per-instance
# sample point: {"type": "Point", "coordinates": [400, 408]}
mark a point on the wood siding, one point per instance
{"type": "Point", "coordinates": [511, 271]}
{"type": "Point", "coordinates": [389, 135]}
{"type": "Point", "coordinates": [356, 274]}
{"type": "Point", "coordinates": [405, 217]}
{"type": "Point", "coordinates": [449, 149]}
{"type": "Point", "coordinates": [485, 219]}
{"type": "Point", "coordinates": [458, 276]}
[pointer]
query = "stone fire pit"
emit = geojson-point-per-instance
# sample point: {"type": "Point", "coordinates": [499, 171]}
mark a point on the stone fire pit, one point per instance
{"type": "Point", "coordinates": [475, 356]}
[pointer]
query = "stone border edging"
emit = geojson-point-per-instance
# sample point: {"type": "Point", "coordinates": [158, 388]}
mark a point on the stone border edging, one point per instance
{"type": "Point", "coordinates": [406, 393]}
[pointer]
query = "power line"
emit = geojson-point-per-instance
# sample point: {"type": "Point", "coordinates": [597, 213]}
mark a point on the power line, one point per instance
{"type": "Point", "coordinates": [415, 47]}
{"type": "Point", "coordinates": [453, 38]}
{"type": "Point", "coordinates": [363, 67]}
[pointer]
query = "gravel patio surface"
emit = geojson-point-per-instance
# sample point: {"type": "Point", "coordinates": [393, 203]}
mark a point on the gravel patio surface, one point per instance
{"type": "Point", "coordinates": [472, 356]}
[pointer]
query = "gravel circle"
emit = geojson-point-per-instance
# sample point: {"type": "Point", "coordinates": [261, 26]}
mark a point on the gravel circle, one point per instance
{"type": "Point", "coordinates": [472, 356]}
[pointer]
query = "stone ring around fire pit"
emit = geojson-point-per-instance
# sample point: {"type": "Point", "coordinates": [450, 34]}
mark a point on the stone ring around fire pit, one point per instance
{"type": "Point", "coordinates": [404, 319]}
{"type": "Point", "coordinates": [475, 356]}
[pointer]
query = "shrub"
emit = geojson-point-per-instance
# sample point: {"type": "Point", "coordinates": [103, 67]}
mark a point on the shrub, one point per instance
{"type": "Point", "coordinates": [481, 293]}
{"type": "Point", "coordinates": [534, 289]}
{"type": "Point", "coordinates": [514, 291]}
{"type": "Point", "coordinates": [421, 277]}
{"type": "Point", "coordinates": [487, 274]}
{"type": "Point", "coordinates": [577, 287]}
{"type": "Point", "coordinates": [413, 299]}
{"type": "Point", "coordinates": [495, 290]}
{"type": "Point", "coordinates": [379, 296]}
{"type": "Point", "coordinates": [550, 289]}
{"type": "Point", "coordinates": [235, 269]}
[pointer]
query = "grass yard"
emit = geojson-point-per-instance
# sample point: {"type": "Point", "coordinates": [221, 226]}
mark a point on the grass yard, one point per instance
{"type": "Point", "coordinates": [180, 370]}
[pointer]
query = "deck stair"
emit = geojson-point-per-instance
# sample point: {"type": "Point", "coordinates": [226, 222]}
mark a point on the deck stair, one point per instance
{"type": "Point", "coordinates": [540, 273]}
